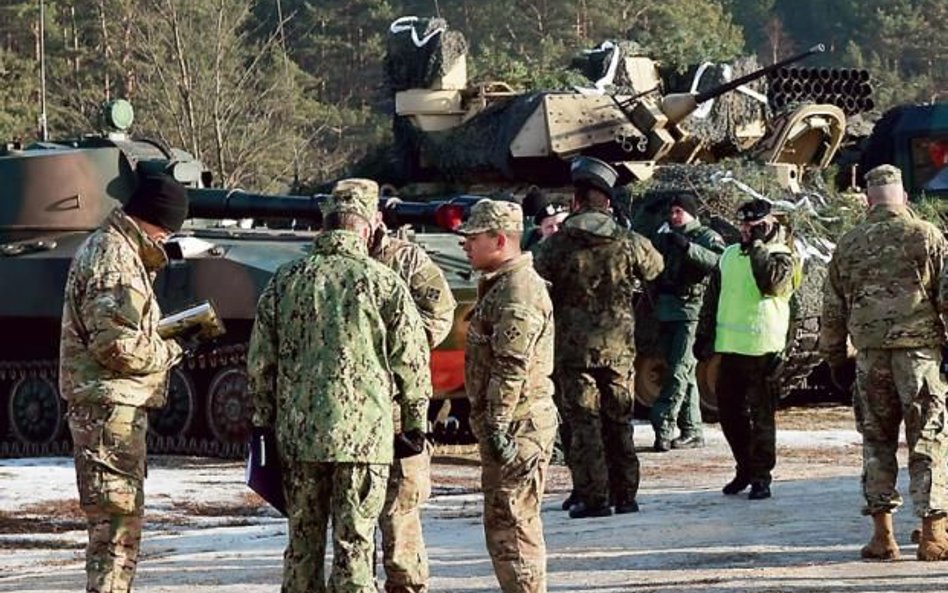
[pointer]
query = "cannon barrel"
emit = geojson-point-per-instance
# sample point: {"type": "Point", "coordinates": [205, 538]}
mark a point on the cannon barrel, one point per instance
{"type": "Point", "coordinates": [678, 106]}
{"type": "Point", "coordinates": [730, 86]}
{"type": "Point", "coordinates": [236, 203]}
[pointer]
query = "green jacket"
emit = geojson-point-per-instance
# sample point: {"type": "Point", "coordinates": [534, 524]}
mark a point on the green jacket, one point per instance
{"type": "Point", "coordinates": [680, 287]}
{"type": "Point", "coordinates": [336, 339]}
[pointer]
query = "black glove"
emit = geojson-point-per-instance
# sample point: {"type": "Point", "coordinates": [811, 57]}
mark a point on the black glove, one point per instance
{"type": "Point", "coordinates": [189, 340]}
{"type": "Point", "coordinates": [764, 232]}
{"type": "Point", "coordinates": [679, 240]}
{"type": "Point", "coordinates": [501, 447]}
{"type": "Point", "coordinates": [843, 376]}
{"type": "Point", "coordinates": [409, 444]}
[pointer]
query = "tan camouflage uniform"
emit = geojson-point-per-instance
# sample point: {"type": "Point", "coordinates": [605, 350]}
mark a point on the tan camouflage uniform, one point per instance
{"type": "Point", "coordinates": [336, 339]}
{"type": "Point", "coordinates": [508, 361]}
{"type": "Point", "coordinates": [886, 290]}
{"type": "Point", "coordinates": [409, 483]}
{"type": "Point", "coordinates": [113, 366]}
{"type": "Point", "coordinates": [593, 264]}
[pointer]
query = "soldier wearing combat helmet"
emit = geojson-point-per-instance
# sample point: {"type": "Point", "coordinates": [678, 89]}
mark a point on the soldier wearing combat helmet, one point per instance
{"type": "Point", "coordinates": [343, 327]}
{"type": "Point", "coordinates": [507, 366]}
{"type": "Point", "coordinates": [886, 291]}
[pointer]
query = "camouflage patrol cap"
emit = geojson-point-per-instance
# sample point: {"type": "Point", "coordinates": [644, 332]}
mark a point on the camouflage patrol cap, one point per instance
{"type": "Point", "coordinates": [493, 215]}
{"type": "Point", "coordinates": [358, 196]}
{"type": "Point", "coordinates": [594, 172]}
{"type": "Point", "coordinates": [883, 175]}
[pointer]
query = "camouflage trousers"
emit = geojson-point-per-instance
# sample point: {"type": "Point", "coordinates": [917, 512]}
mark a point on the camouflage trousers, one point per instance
{"type": "Point", "coordinates": [350, 495]}
{"type": "Point", "coordinates": [403, 546]}
{"type": "Point", "coordinates": [747, 410]}
{"type": "Point", "coordinates": [678, 405]}
{"type": "Point", "coordinates": [602, 459]}
{"type": "Point", "coordinates": [563, 409]}
{"type": "Point", "coordinates": [512, 497]}
{"type": "Point", "coordinates": [109, 451]}
{"type": "Point", "coordinates": [892, 386]}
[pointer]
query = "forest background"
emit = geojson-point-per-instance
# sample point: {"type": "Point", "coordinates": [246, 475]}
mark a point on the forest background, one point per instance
{"type": "Point", "coordinates": [272, 94]}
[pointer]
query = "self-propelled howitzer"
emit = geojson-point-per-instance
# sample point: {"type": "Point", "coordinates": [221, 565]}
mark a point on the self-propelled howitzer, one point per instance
{"type": "Point", "coordinates": [56, 193]}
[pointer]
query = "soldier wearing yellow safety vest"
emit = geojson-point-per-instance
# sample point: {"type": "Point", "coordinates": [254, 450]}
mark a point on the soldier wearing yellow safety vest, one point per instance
{"type": "Point", "coordinates": [746, 318]}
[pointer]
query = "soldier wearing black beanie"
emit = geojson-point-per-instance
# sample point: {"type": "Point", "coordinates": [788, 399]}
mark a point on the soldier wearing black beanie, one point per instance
{"type": "Point", "coordinates": [159, 200]}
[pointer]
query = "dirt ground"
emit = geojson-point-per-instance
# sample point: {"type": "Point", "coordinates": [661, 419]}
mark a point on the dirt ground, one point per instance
{"type": "Point", "coordinates": [206, 532]}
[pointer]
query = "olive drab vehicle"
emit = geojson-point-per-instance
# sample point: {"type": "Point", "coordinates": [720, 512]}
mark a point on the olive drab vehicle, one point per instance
{"type": "Point", "coordinates": [54, 194]}
{"type": "Point", "coordinates": [785, 121]}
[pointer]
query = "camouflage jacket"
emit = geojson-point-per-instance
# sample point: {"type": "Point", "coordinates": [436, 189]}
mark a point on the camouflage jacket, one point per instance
{"type": "Point", "coordinates": [680, 287]}
{"type": "Point", "coordinates": [426, 282]}
{"type": "Point", "coordinates": [508, 357]}
{"type": "Point", "coordinates": [886, 285]}
{"type": "Point", "coordinates": [777, 272]}
{"type": "Point", "coordinates": [336, 338]}
{"type": "Point", "coordinates": [109, 350]}
{"type": "Point", "coordinates": [593, 265]}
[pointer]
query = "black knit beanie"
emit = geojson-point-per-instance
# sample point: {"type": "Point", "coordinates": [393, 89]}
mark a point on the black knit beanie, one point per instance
{"type": "Point", "coordinates": [160, 200]}
{"type": "Point", "coordinates": [686, 202]}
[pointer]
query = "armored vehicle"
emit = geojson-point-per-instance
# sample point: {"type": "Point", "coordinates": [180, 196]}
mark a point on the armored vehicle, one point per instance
{"type": "Point", "coordinates": [55, 193]}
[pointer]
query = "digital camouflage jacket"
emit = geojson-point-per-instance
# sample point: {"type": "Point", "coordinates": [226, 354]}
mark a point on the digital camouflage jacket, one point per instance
{"type": "Point", "coordinates": [336, 339]}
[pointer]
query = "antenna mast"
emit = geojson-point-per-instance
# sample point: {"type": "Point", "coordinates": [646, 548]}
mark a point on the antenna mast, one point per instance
{"type": "Point", "coordinates": [43, 130]}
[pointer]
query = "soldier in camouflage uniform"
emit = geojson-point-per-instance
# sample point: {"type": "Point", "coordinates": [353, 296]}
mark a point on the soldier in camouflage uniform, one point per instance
{"type": "Point", "coordinates": [746, 318]}
{"type": "Point", "coordinates": [593, 265]}
{"type": "Point", "coordinates": [409, 483]}
{"type": "Point", "coordinates": [886, 290]}
{"type": "Point", "coordinates": [113, 368]}
{"type": "Point", "coordinates": [507, 366]}
{"type": "Point", "coordinates": [691, 251]}
{"type": "Point", "coordinates": [336, 339]}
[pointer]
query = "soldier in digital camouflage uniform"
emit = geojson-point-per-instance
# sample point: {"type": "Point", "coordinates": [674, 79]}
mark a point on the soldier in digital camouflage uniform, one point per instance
{"type": "Point", "coordinates": [691, 251]}
{"type": "Point", "coordinates": [593, 265]}
{"type": "Point", "coordinates": [886, 290]}
{"type": "Point", "coordinates": [336, 339]}
{"type": "Point", "coordinates": [746, 319]}
{"type": "Point", "coordinates": [507, 366]}
{"type": "Point", "coordinates": [114, 368]}
{"type": "Point", "coordinates": [409, 483]}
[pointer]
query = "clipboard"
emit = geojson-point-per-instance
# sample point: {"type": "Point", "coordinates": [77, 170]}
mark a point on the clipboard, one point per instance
{"type": "Point", "coordinates": [264, 473]}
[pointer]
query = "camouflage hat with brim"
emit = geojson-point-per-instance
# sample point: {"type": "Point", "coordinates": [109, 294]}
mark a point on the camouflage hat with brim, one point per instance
{"type": "Point", "coordinates": [357, 196]}
{"type": "Point", "coordinates": [883, 175]}
{"type": "Point", "coordinates": [493, 215]}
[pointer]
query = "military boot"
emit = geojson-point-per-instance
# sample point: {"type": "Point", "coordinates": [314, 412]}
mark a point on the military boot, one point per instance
{"type": "Point", "coordinates": [933, 544]}
{"type": "Point", "coordinates": [882, 546]}
{"type": "Point", "coordinates": [581, 510]}
{"type": "Point", "coordinates": [570, 501]}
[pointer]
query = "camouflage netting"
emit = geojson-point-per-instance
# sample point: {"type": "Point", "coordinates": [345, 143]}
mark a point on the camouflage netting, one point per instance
{"type": "Point", "coordinates": [594, 64]}
{"type": "Point", "coordinates": [478, 148]}
{"type": "Point", "coordinates": [720, 128]}
{"type": "Point", "coordinates": [816, 218]}
{"type": "Point", "coordinates": [408, 66]}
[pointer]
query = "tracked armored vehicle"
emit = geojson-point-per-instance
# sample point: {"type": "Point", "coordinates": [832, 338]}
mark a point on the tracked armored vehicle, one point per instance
{"type": "Point", "coordinates": [56, 193]}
